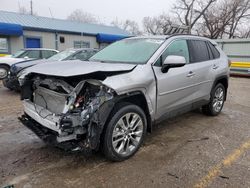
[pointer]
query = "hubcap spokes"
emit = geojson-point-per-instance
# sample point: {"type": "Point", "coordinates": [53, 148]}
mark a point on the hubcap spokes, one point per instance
{"type": "Point", "coordinates": [127, 133]}
{"type": "Point", "coordinates": [3, 73]}
{"type": "Point", "coordinates": [218, 99]}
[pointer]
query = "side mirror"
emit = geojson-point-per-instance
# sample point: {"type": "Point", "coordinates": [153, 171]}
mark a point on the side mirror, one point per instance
{"type": "Point", "coordinates": [173, 61]}
{"type": "Point", "coordinates": [26, 57]}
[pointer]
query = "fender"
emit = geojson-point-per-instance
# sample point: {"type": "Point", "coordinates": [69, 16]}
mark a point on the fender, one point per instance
{"type": "Point", "coordinates": [222, 77]}
{"type": "Point", "coordinates": [101, 116]}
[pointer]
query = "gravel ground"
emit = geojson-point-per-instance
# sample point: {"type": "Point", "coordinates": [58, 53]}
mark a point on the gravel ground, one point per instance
{"type": "Point", "coordinates": [192, 150]}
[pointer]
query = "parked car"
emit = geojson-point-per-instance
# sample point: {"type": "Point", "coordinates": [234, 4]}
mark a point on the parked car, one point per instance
{"type": "Point", "coordinates": [11, 81]}
{"type": "Point", "coordinates": [23, 55]}
{"type": "Point", "coordinates": [112, 100]}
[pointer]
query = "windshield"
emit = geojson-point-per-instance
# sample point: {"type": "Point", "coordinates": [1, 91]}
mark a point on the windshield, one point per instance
{"type": "Point", "coordinates": [136, 51]}
{"type": "Point", "coordinates": [18, 54]}
{"type": "Point", "coordinates": [62, 55]}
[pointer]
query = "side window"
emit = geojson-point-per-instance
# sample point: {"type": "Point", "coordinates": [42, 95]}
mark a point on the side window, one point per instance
{"type": "Point", "coordinates": [83, 55]}
{"type": "Point", "coordinates": [32, 54]}
{"type": "Point", "coordinates": [214, 51]}
{"type": "Point", "coordinates": [198, 51]}
{"type": "Point", "coordinates": [179, 48]}
{"type": "Point", "coordinates": [47, 53]}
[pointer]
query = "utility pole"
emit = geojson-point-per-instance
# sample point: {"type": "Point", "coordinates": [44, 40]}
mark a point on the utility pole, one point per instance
{"type": "Point", "coordinates": [31, 7]}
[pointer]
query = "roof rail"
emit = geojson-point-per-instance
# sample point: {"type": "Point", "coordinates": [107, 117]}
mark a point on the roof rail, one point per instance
{"type": "Point", "coordinates": [176, 29]}
{"type": "Point", "coordinates": [177, 34]}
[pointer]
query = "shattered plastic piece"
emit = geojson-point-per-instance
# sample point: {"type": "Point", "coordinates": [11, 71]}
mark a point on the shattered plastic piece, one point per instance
{"type": "Point", "coordinates": [224, 177]}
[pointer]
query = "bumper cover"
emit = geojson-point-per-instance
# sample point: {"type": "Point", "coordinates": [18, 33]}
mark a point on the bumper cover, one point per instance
{"type": "Point", "coordinates": [12, 83]}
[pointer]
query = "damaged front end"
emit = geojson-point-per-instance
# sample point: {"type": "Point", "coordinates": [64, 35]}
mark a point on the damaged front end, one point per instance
{"type": "Point", "coordinates": [67, 114]}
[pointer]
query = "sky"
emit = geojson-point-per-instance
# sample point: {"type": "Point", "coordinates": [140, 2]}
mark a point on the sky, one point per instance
{"type": "Point", "coordinates": [106, 10]}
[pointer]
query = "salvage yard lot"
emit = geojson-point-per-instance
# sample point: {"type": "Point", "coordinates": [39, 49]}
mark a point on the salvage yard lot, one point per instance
{"type": "Point", "coordinates": [192, 150]}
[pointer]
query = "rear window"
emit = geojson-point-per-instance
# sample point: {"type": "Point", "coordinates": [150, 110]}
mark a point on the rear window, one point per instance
{"type": "Point", "coordinates": [198, 51]}
{"type": "Point", "coordinates": [214, 51]}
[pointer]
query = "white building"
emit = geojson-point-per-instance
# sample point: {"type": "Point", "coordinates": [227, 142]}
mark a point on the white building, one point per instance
{"type": "Point", "coordinates": [18, 31]}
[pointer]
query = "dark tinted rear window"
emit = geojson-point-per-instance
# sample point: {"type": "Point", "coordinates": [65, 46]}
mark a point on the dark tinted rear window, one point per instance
{"type": "Point", "coordinates": [214, 51]}
{"type": "Point", "coordinates": [198, 51]}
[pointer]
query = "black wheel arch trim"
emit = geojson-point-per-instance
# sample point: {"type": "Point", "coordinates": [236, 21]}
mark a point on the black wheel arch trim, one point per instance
{"type": "Point", "coordinates": [218, 79]}
{"type": "Point", "coordinates": [102, 115]}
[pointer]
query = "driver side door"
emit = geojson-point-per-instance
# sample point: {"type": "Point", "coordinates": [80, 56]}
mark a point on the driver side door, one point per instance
{"type": "Point", "coordinates": [176, 88]}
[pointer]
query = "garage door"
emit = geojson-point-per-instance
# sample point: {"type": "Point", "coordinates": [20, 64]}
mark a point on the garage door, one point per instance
{"type": "Point", "coordinates": [33, 43]}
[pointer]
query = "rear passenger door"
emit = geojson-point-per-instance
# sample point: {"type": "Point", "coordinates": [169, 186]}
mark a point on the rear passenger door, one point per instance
{"type": "Point", "coordinates": [204, 69]}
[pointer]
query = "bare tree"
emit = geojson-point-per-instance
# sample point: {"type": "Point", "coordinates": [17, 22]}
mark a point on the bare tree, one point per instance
{"type": "Point", "coordinates": [214, 22]}
{"type": "Point", "coordinates": [239, 11]}
{"type": "Point", "coordinates": [244, 33]}
{"type": "Point", "coordinates": [128, 25]}
{"type": "Point", "coordinates": [157, 25]}
{"type": "Point", "coordinates": [190, 11]}
{"type": "Point", "coordinates": [80, 16]}
{"type": "Point", "coordinates": [224, 19]}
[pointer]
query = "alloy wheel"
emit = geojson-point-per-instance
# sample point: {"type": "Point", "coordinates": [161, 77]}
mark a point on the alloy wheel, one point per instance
{"type": "Point", "coordinates": [127, 133]}
{"type": "Point", "coordinates": [218, 99]}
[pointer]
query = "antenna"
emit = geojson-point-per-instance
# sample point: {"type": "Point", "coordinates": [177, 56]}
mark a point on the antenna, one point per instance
{"type": "Point", "coordinates": [31, 7]}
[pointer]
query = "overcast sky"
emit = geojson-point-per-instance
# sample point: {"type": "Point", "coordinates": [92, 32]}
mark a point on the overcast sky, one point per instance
{"type": "Point", "coordinates": [106, 10]}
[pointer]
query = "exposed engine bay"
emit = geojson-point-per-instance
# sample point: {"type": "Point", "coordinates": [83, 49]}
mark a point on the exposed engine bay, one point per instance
{"type": "Point", "coordinates": [69, 115]}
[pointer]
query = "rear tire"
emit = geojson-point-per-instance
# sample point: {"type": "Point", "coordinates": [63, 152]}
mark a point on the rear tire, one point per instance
{"type": "Point", "coordinates": [216, 103]}
{"type": "Point", "coordinates": [125, 132]}
{"type": "Point", "coordinates": [3, 71]}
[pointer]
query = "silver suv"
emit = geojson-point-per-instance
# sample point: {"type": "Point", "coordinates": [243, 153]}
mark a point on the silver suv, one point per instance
{"type": "Point", "coordinates": [112, 100]}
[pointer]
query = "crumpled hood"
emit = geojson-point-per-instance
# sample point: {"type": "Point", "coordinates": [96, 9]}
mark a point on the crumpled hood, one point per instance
{"type": "Point", "coordinates": [77, 67]}
{"type": "Point", "coordinates": [10, 60]}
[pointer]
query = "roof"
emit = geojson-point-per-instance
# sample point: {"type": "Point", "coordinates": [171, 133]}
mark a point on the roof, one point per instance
{"type": "Point", "coordinates": [40, 49]}
{"type": "Point", "coordinates": [30, 22]}
{"type": "Point", "coordinates": [163, 37]}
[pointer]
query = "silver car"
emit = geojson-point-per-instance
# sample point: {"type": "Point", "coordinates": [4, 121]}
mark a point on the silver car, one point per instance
{"type": "Point", "coordinates": [113, 100]}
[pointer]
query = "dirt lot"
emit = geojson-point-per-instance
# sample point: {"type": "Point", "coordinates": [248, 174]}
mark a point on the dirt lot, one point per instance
{"type": "Point", "coordinates": [189, 151]}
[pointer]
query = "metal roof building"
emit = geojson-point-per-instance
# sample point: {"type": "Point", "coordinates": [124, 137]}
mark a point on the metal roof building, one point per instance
{"type": "Point", "coordinates": [23, 31]}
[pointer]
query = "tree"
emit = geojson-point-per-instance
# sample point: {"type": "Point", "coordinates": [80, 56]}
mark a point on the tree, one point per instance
{"type": "Point", "coordinates": [157, 25]}
{"type": "Point", "coordinates": [225, 19]}
{"type": "Point", "coordinates": [127, 25]}
{"type": "Point", "coordinates": [239, 11]}
{"type": "Point", "coordinates": [190, 11]}
{"type": "Point", "coordinates": [81, 16]}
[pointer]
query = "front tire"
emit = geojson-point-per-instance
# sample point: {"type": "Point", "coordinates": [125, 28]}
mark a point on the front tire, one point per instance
{"type": "Point", "coordinates": [216, 103]}
{"type": "Point", "coordinates": [3, 71]}
{"type": "Point", "coordinates": [125, 132]}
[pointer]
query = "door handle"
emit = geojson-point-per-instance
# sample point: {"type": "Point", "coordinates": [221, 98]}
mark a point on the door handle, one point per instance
{"type": "Point", "coordinates": [190, 74]}
{"type": "Point", "coordinates": [215, 66]}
